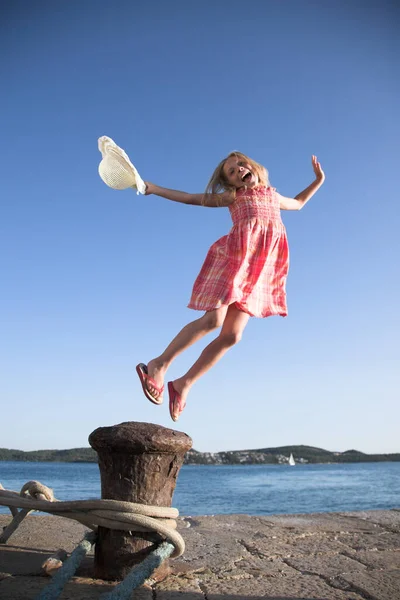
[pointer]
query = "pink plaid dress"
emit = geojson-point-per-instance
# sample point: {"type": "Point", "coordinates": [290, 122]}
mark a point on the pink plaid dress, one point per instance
{"type": "Point", "coordinates": [248, 267]}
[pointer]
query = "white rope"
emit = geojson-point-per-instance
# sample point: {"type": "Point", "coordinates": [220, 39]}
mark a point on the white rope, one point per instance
{"type": "Point", "coordinates": [112, 514]}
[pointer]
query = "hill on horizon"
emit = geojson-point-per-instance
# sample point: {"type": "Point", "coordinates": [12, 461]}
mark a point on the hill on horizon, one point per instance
{"type": "Point", "coordinates": [289, 449]}
{"type": "Point", "coordinates": [301, 453]}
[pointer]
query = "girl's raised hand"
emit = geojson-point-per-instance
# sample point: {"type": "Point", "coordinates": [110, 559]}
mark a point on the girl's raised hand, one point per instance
{"type": "Point", "coordinates": [319, 174]}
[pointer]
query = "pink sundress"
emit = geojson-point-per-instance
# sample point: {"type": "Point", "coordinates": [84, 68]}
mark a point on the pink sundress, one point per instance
{"type": "Point", "coordinates": [248, 267]}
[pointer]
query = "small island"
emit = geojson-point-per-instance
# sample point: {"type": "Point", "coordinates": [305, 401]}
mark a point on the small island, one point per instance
{"type": "Point", "coordinates": [262, 456]}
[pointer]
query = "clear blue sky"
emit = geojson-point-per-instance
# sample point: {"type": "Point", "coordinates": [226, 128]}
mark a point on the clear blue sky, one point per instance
{"type": "Point", "coordinates": [94, 280]}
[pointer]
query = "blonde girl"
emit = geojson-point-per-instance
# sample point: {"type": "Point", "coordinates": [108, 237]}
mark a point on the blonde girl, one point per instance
{"type": "Point", "coordinates": [243, 275]}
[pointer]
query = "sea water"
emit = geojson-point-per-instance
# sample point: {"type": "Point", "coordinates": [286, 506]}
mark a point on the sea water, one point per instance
{"type": "Point", "coordinates": [232, 489]}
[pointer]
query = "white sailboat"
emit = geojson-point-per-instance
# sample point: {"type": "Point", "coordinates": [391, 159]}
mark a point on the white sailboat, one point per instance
{"type": "Point", "coordinates": [291, 460]}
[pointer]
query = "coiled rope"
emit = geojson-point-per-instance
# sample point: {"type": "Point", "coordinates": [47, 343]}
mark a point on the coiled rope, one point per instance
{"type": "Point", "coordinates": [112, 514]}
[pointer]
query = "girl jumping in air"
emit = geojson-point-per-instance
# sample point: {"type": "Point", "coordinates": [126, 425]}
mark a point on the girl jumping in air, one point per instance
{"type": "Point", "coordinates": [243, 275]}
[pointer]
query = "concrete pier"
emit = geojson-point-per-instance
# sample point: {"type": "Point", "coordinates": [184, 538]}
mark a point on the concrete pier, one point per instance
{"type": "Point", "coordinates": [327, 556]}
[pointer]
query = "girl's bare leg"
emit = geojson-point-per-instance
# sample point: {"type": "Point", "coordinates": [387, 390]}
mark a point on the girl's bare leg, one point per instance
{"type": "Point", "coordinates": [231, 333]}
{"type": "Point", "coordinates": [191, 333]}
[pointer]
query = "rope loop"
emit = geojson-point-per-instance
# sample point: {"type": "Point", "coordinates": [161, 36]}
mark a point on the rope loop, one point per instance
{"type": "Point", "coordinates": [35, 490]}
{"type": "Point", "coordinates": [112, 514]}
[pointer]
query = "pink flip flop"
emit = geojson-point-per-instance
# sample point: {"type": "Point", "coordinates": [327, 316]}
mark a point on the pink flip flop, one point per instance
{"type": "Point", "coordinates": [141, 370]}
{"type": "Point", "coordinates": [174, 400]}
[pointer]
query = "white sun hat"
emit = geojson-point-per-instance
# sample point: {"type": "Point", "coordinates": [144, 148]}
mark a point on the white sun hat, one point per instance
{"type": "Point", "coordinates": [116, 170]}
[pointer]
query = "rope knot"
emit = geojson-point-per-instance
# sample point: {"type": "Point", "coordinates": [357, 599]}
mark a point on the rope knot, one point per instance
{"type": "Point", "coordinates": [37, 491]}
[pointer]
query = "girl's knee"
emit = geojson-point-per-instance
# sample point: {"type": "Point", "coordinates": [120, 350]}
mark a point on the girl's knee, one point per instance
{"type": "Point", "coordinates": [213, 320]}
{"type": "Point", "coordinates": [230, 338]}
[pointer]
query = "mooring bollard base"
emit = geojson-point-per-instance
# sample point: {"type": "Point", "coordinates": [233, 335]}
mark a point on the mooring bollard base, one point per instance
{"type": "Point", "coordinates": [125, 557]}
{"type": "Point", "coordinates": [139, 462]}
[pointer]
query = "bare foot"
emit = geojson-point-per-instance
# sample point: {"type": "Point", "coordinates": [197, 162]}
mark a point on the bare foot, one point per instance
{"type": "Point", "coordinates": [157, 373]}
{"type": "Point", "coordinates": [177, 398]}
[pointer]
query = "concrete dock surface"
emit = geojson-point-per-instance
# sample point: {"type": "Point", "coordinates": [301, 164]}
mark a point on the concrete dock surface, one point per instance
{"type": "Point", "coordinates": [323, 556]}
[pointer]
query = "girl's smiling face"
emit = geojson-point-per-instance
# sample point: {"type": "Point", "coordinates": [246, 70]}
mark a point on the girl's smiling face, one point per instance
{"type": "Point", "coordinates": [239, 173]}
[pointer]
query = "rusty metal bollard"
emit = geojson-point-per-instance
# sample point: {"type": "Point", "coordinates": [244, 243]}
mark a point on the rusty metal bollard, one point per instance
{"type": "Point", "coordinates": [139, 462]}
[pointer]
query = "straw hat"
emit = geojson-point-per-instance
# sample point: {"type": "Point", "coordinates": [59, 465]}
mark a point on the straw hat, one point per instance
{"type": "Point", "coordinates": [116, 170]}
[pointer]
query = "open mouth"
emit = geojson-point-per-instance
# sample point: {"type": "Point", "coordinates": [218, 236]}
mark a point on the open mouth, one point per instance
{"type": "Point", "coordinates": [246, 177]}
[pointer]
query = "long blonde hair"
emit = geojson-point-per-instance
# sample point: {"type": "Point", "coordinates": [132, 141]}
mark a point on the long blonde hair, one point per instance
{"type": "Point", "coordinates": [218, 182]}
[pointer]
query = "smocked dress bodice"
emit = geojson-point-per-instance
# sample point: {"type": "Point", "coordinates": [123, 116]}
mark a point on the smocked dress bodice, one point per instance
{"type": "Point", "coordinates": [258, 203]}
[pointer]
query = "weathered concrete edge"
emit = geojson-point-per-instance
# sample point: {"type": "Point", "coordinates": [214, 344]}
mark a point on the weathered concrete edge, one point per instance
{"type": "Point", "coordinates": [329, 555]}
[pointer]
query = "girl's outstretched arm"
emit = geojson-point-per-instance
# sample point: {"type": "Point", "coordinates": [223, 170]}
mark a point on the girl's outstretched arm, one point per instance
{"type": "Point", "coordinates": [212, 200]}
{"type": "Point", "coordinates": [301, 199]}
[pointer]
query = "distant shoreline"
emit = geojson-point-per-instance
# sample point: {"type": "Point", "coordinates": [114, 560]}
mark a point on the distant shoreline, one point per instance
{"type": "Point", "coordinates": [264, 456]}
